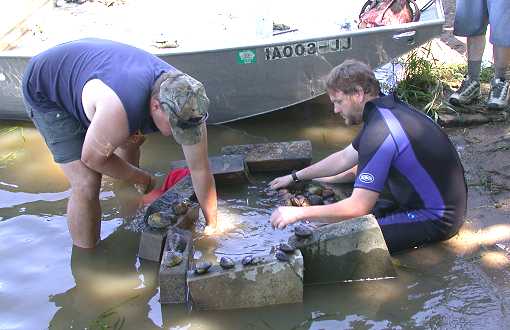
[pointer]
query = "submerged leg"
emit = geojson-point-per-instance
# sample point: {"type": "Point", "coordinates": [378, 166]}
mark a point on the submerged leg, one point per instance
{"type": "Point", "coordinates": [83, 208]}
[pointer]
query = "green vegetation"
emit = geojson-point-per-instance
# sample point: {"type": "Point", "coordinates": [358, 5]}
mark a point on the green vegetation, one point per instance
{"type": "Point", "coordinates": [425, 80]}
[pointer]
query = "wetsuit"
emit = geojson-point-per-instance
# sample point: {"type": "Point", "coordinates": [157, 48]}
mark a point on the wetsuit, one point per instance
{"type": "Point", "coordinates": [403, 152]}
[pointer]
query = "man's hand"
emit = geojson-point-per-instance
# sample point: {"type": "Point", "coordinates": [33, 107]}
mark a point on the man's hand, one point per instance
{"type": "Point", "coordinates": [285, 215]}
{"type": "Point", "coordinates": [147, 187]}
{"type": "Point", "coordinates": [281, 182]}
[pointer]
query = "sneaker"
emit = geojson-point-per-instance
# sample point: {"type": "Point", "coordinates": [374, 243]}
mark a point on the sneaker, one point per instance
{"type": "Point", "coordinates": [468, 92]}
{"type": "Point", "coordinates": [498, 97]}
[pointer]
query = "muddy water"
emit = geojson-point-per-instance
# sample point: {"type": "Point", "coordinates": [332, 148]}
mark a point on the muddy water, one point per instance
{"type": "Point", "coordinates": [46, 283]}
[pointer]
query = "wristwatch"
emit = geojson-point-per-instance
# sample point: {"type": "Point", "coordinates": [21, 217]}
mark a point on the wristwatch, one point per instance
{"type": "Point", "coordinates": [294, 177]}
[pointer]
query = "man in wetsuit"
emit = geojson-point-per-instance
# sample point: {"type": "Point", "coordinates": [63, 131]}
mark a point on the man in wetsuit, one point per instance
{"type": "Point", "coordinates": [399, 149]}
{"type": "Point", "coordinates": [92, 100]}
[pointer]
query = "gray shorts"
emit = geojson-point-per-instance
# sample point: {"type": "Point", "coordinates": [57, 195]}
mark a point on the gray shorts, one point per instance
{"type": "Point", "coordinates": [63, 134]}
{"type": "Point", "coordinates": [472, 17]}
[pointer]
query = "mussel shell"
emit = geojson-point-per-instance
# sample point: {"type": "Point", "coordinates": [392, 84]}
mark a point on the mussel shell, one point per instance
{"type": "Point", "coordinates": [247, 260]}
{"type": "Point", "coordinates": [287, 248]}
{"type": "Point", "coordinates": [226, 263]}
{"type": "Point", "coordinates": [315, 200]}
{"type": "Point", "coordinates": [251, 260]}
{"type": "Point", "coordinates": [160, 220]}
{"type": "Point", "coordinates": [315, 190]}
{"type": "Point", "coordinates": [181, 208]}
{"type": "Point", "coordinates": [302, 232]}
{"type": "Point", "coordinates": [202, 267]}
{"type": "Point", "coordinates": [177, 242]}
{"type": "Point", "coordinates": [294, 201]}
{"type": "Point", "coordinates": [172, 258]}
{"type": "Point", "coordinates": [282, 256]}
{"type": "Point", "coordinates": [327, 193]}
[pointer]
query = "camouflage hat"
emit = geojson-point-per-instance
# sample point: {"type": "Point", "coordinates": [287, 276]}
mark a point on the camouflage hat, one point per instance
{"type": "Point", "coordinates": [183, 98]}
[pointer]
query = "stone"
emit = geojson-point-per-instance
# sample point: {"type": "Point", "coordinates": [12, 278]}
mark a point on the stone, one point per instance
{"type": "Point", "coordinates": [276, 156]}
{"type": "Point", "coordinates": [172, 280]}
{"type": "Point", "coordinates": [151, 244]}
{"type": "Point", "coordinates": [226, 169]}
{"type": "Point", "coordinates": [348, 250]}
{"type": "Point", "coordinates": [266, 283]}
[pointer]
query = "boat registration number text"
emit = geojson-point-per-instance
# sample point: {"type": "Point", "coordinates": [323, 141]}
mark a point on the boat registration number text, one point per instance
{"type": "Point", "coordinates": [307, 48]}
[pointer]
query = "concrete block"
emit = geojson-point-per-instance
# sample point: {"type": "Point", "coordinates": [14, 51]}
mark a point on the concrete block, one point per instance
{"type": "Point", "coordinates": [348, 250]}
{"type": "Point", "coordinates": [226, 169]}
{"type": "Point", "coordinates": [277, 156]}
{"type": "Point", "coordinates": [266, 283]}
{"type": "Point", "coordinates": [172, 280]}
{"type": "Point", "coordinates": [151, 244]}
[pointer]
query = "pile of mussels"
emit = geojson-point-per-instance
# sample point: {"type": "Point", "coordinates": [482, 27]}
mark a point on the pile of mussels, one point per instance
{"type": "Point", "coordinates": [311, 194]}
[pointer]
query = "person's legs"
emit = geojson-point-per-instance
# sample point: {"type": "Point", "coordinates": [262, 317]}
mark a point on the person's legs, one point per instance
{"type": "Point", "coordinates": [408, 229]}
{"type": "Point", "coordinates": [83, 208]}
{"type": "Point", "coordinates": [64, 136]}
{"type": "Point", "coordinates": [499, 20]}
{"type": "Point", "coordinates": [471, 19]}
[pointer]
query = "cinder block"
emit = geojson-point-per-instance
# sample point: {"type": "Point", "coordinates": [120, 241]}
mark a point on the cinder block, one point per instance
{"type": "Point", "coordinates": [172, 280]}
{"type": "Point", "coordinates": [348, 250]}
{"type": "Point", "coordinates": [267, 283]}
{"type": "Point", "coordinates": [276, 156]}
{"type": "Point", "coordinates": [151, 245]}
{"type": "Point", "coordinates": [226, 169]}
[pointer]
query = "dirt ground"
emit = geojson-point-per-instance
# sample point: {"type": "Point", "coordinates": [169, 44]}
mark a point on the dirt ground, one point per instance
{"type": "Point", "coordinates": [485, 153]}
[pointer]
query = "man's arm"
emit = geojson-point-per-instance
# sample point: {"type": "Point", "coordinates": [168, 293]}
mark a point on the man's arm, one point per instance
{"type": "Point", "coordinates": [361, 202]}
{"type": "Point", "coordinates": [108, 130]}
{"type": "Point", "coordinates": [345, 177]}
{"type": "Point", "coordinates": [332, 165]}
{"type": "Point", "coordinates": [202, 178]}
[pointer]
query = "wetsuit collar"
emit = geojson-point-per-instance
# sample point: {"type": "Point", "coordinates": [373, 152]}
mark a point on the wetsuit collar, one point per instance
{"type": "Point", "coordinates": [383, 101]}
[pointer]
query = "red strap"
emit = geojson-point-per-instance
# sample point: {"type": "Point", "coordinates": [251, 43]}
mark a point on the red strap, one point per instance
{"type": "Point", "coordinates": [171, 179]}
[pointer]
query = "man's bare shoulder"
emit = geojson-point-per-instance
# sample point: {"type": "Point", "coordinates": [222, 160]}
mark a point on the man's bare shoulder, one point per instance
{"type": "Point", "coordinates": [97, 95]}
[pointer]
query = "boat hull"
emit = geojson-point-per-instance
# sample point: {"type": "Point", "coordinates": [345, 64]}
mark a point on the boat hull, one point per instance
{"type": "Point", "coordinates": [246, 81]}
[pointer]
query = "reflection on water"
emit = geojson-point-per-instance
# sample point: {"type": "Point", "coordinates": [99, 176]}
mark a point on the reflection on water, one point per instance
{"type": "Point", "coordinates": [45, 282]}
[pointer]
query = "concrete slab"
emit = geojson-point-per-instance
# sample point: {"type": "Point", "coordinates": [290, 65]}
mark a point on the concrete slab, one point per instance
{"type": "Point", "coordinates": [226, 169]}
{"type": "Point", "coordinates": [172, 280]}
{"type": "Point", "coordinates": [151, 244]}
{"type": "Point", "coordinates": [267, 283]}
{"type": "Point", "coordinates": [349, 250]}
{"type": "Point", "coordinates": [276, 156]}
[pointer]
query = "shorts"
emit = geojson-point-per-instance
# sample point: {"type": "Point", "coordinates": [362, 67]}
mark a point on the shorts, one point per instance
{"type": "Point", "coordinates": [406, 229]}
{"type": "Point", "coordinates": [64, 135]}
{"type": "Point", "coordinates": [472, 17]}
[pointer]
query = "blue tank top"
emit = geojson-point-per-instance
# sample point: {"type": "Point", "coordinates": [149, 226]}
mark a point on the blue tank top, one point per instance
{"type": "Point", "coordinates": [54, 79]}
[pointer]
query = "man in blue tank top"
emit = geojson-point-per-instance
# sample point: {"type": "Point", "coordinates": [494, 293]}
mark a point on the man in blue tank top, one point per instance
{"type": "Point", "coordinates": [92, 100]}
{"type": "Point", "coordinates": [399, 150]}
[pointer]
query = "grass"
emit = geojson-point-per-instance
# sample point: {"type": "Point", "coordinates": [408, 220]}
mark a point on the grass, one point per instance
{"type": "Point", "coordinates": [425, 80]}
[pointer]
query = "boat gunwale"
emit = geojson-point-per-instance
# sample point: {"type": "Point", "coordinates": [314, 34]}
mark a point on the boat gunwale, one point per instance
{"type": "Point", "coordinates": [401, 28]}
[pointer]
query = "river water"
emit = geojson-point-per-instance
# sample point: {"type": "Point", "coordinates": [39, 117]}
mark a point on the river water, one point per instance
{"type": "Point", "coordinates": [46, 283]}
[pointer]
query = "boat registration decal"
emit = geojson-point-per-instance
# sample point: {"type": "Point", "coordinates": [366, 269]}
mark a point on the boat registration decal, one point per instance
{"type": "Point", "coordinates": [307, 48]}
{"type": "Point", "coordinates": [246, 56]}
